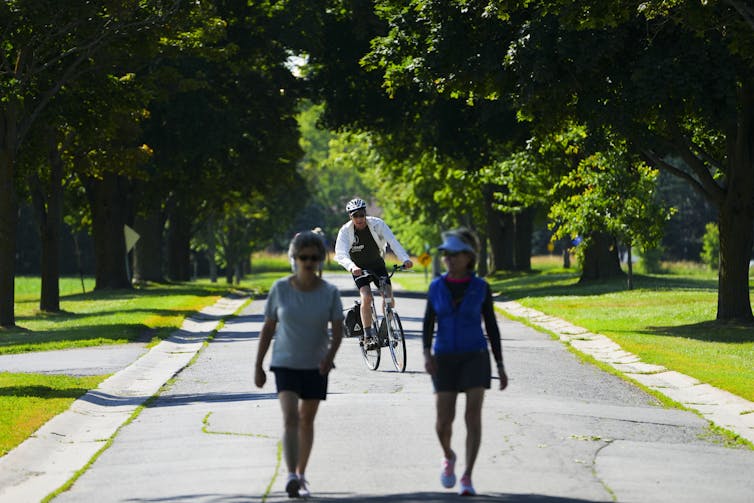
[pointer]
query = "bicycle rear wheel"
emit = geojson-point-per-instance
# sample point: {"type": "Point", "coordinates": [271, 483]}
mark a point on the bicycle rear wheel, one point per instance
{"type": "Point", "coordinates": [371, 355]}
{"type": "Point", "coordinates": [396, 341]}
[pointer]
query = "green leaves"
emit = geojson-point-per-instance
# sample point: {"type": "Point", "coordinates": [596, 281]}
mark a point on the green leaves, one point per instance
{"type": "Point", "coordinates": [609, 192]}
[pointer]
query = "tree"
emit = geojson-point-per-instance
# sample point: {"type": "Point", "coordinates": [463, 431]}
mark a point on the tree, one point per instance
{"type": "Point", "coordinates": [222, 121]}
{"type": "Point", "coordinates": [674, 78]}
{"type": "Point", "coordinates": [702, 112]}
{"type": "Point", "coordinates": [44, 49]}
{"type": "Point", "coordinates": [405, 122]}
{"type": "Point", "coordinates": [608, 196]}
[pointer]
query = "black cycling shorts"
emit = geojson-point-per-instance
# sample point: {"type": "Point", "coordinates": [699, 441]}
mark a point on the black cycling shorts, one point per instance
{"type": "Point", "coordinates": [379, 269]}
{"type": "Point", "coordinates": [462, 371]}
{"type": "Point", "coordinates": [308, 384]}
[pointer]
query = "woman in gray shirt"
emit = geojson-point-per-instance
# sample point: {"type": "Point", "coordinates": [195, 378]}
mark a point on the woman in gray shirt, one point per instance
{"type": "Point", "coordinates": [297, 313]}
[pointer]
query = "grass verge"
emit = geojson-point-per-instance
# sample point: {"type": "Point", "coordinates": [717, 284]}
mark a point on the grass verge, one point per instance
{"type": "Point", "coordinates": [667, 319]}
{"type": "Point", "coordinates": [27, 401]}
{"type": "Point", "coordinates": [149, 313]}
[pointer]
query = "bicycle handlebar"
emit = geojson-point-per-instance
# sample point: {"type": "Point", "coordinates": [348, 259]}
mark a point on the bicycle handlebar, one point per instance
{"type": "Point", "coordinates": [396, 267]}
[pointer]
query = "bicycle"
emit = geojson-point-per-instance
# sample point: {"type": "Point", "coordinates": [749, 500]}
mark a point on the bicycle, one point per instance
{"type": "Point", "coordinates": [390, 333]}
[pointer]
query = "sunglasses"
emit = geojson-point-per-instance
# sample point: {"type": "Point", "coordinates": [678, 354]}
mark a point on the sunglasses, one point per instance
{"type": "Point", "coordinates": [359, 214]}
{"type": "Point", "coordinates": [309, 258]}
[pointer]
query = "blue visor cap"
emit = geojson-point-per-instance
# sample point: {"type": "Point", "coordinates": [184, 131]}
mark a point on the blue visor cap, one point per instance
{"type": "Point", "coordinates": [454, 244]}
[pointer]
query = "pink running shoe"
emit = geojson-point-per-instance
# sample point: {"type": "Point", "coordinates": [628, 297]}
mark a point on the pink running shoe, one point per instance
{"type": "Point", "coordinates": [466, 488]}
{"type": "Point", "coordinates": [448, 476]}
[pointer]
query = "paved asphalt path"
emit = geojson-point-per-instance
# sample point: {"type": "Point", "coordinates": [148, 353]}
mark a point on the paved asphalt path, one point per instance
{"type": "Point", "coordinates": [564, 431]}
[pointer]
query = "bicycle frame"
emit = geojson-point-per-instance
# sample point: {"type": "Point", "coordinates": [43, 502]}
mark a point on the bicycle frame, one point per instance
{"type": "Point", "coordinates": [392, 336]}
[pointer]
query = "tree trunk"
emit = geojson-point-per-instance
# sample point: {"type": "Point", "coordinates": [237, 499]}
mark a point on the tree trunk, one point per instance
{"type": "Point", "coordinates": [501, 243]}
{"type": "Point", "coordinates": [211, 251]}
{"type": "Point", "coordinates": [148, 249]}
{"type": "Point", "coordinates": [630, 259]}
{"type": "Point", "coordinates": [736, 218]}
{"type": "Point", "coordinates": [600, 259]}
{"type": "Point", "coordinates": [566, 253]}
{"type": "Point", "coordinates": [8, 223]}
{"type": "Point", "coordinates": [524, 228]}
{"type": "Point", "coordinates": [107, 198]}
{"type": "Point", "coordinates": [482, 264]}
{"type": "Point", "coordinates": [49, 212]}
{"type": "Point", "coordinates": [210, 254]}
{"type": "Point", "coordinates": [8, 215]}
{"type": "Point", "coordinates": [179, 249]}
{"type": "Point", "coordinates": [733, 300]}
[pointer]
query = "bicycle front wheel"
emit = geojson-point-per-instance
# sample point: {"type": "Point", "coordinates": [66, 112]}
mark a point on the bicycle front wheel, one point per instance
{"type": "Point", "coordinates": [371, 354]}
{"type": "Point", "coordinates": [396, 341]}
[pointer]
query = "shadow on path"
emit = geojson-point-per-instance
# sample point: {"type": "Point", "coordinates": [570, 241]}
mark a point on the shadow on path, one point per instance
{"type": "Point", "coordinates": [419, 497]}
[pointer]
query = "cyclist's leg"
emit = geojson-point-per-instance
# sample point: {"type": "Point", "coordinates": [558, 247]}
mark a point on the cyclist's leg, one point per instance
{"type": "Point", "coordinates": [363, 284]}
{"type": "Point", "coordinates": [366, 306]}
{"type": "Point", "coordinates": [389, 288]}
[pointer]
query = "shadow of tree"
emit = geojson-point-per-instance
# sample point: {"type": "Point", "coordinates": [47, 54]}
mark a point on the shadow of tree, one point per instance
{"type": "Point", "coordinates": [521, 285]}
{"type": "Point", "coordinates": [36, 391]}
{"type": "Point", "coordinates": [708, 331]}
{"type": "Point", "coordinates": [417, 497]}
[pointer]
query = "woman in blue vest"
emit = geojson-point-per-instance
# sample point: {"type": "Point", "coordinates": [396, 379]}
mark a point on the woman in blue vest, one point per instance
{"type": "Point", "coordinates": [459, 360]}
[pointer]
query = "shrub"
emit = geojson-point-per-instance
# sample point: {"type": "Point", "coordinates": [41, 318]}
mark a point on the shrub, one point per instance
{"type": "Point", "coordinates": [711, 246]}
{"type": "Point", "coordinates": [650, 260]}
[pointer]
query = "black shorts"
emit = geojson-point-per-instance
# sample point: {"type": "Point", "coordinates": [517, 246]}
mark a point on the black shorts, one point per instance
{"type": "Point", "coordinates": [379, 269]}
{"type": "Point", "coordinates": [462, 371]}
{"type": "Point", "coordinates": [308, 384]}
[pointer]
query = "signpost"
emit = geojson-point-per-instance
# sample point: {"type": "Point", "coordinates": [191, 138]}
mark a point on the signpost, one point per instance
{"type": "Point", "coordinates": [131, 238]}
{"type": "Point", "coordinates": [424, 259]}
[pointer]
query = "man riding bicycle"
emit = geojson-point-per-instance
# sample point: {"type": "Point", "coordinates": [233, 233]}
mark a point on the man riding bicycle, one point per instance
{"type": "Point", "coordinates": [360, 245]}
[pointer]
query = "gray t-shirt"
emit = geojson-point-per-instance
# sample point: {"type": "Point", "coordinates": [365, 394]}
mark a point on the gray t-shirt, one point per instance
{"type": "Point", "coordinates": [301, 338]}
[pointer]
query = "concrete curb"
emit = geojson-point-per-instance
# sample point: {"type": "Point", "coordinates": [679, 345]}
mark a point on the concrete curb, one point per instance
{"type": "Point", "coordinates": [720, 407]}
{"type": "Point", "coordinates": [66, 443]}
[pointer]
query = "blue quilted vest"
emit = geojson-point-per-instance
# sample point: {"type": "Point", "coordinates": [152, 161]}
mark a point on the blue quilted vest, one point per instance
{"type": "Point", "coordinates": [459, 328]}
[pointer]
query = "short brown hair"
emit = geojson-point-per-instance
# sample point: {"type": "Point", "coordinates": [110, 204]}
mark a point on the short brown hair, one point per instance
{"type": "Point", "coordinates": [306, 239]}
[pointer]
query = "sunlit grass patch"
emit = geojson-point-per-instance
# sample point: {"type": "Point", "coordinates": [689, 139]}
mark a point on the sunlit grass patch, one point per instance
{"type": "Point", "coordinates": [27, 401]}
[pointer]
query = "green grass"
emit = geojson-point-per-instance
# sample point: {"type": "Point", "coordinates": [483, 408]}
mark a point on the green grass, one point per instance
{"type": "Point", "coordinates": [667, 319]}
{"type": "Point", "coordinates": [102, 317]}
{"type": "Point", "coordinates": [27, 401]}
{"type": "Point", "coordinates": [149, 313]}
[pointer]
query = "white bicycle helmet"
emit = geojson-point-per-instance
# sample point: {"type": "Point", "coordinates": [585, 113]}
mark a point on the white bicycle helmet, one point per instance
{"type": "Point", "coordinates": [355, 205]}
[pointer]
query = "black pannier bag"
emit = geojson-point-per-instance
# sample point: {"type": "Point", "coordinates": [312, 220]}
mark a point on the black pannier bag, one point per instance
{"type": "Point", "coordinates": [354, 328]}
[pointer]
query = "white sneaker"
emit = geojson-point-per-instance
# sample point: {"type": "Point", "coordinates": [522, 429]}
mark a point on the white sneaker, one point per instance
{"type": "Point", "coordinates": [303, 491]}
{"type": "Point", "coordinates": [293, 485]}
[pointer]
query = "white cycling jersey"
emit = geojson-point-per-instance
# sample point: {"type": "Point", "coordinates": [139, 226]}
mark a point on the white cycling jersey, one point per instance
{"type": "Point", "coordinates": [382, 235]}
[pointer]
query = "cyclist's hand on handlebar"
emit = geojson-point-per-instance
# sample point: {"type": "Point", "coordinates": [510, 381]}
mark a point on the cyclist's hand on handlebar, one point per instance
{"type": "Point", "coordinates": [357, 272]}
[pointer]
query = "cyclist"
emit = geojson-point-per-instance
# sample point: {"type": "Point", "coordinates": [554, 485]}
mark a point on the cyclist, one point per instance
{"type": "Point", "coordinates": [361, 244]}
